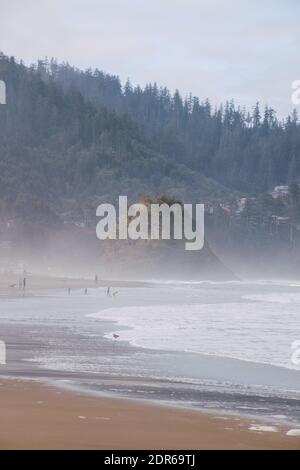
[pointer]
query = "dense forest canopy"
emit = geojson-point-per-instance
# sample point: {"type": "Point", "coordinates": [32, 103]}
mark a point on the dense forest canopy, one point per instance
{"type": "Point", "coordinates": [68, 135]}
{"type": "Point", "coordinates": [246, 150]}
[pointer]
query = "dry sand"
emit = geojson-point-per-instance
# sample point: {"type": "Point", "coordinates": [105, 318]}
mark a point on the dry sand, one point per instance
{"type": "Point", "coordinates": [33, 416]}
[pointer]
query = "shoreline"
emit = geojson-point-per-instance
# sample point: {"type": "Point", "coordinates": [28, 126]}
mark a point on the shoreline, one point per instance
{"type": "Point", "coordinates": [191, 427]}
{"type": "Point", "coordinates": [9, 283]}
{"type": "Point", "coordinates": [61, 419]}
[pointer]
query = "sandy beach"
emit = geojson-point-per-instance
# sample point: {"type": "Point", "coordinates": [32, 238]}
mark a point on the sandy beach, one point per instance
{"type": "Point", "coordinates": [37, 416]}
{"type": "Point", "coordinates": [64, 420]}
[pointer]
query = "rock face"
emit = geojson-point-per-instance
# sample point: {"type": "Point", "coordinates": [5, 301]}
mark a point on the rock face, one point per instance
{"type": "Point", "coordinates": [161, 260]}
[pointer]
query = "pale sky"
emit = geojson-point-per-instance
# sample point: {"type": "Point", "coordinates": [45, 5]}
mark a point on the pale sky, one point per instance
{"type": "Point", "coordinates": [221, 49]}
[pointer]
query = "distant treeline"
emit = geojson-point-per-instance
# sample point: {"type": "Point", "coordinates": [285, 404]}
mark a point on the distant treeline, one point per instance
{"type": "Point", "coordinates": [242, 149]}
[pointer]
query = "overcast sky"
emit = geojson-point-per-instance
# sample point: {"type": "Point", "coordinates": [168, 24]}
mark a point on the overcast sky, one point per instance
{"type": "Point", "coordinates": [221, 49]}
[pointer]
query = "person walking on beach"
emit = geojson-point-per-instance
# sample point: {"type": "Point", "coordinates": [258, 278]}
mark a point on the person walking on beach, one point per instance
{"type": "Point", "coordinates": [108, 292]}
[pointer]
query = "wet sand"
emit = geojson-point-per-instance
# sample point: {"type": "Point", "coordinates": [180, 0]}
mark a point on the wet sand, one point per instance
{"type": "Point", "coordinates": [34, 416]}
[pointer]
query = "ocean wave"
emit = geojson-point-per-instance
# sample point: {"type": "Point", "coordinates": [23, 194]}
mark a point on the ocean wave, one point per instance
{"type": "Point", "coordinates": [255, 331]}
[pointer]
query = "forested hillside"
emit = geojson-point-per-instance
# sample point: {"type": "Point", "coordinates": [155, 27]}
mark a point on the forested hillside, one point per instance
{"type": "Point", "coordinates": [62, 150]}
{"type": "Point", "coordinates": [71, 139]}
{"type": "Point", "coordinates": [65, 131]}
